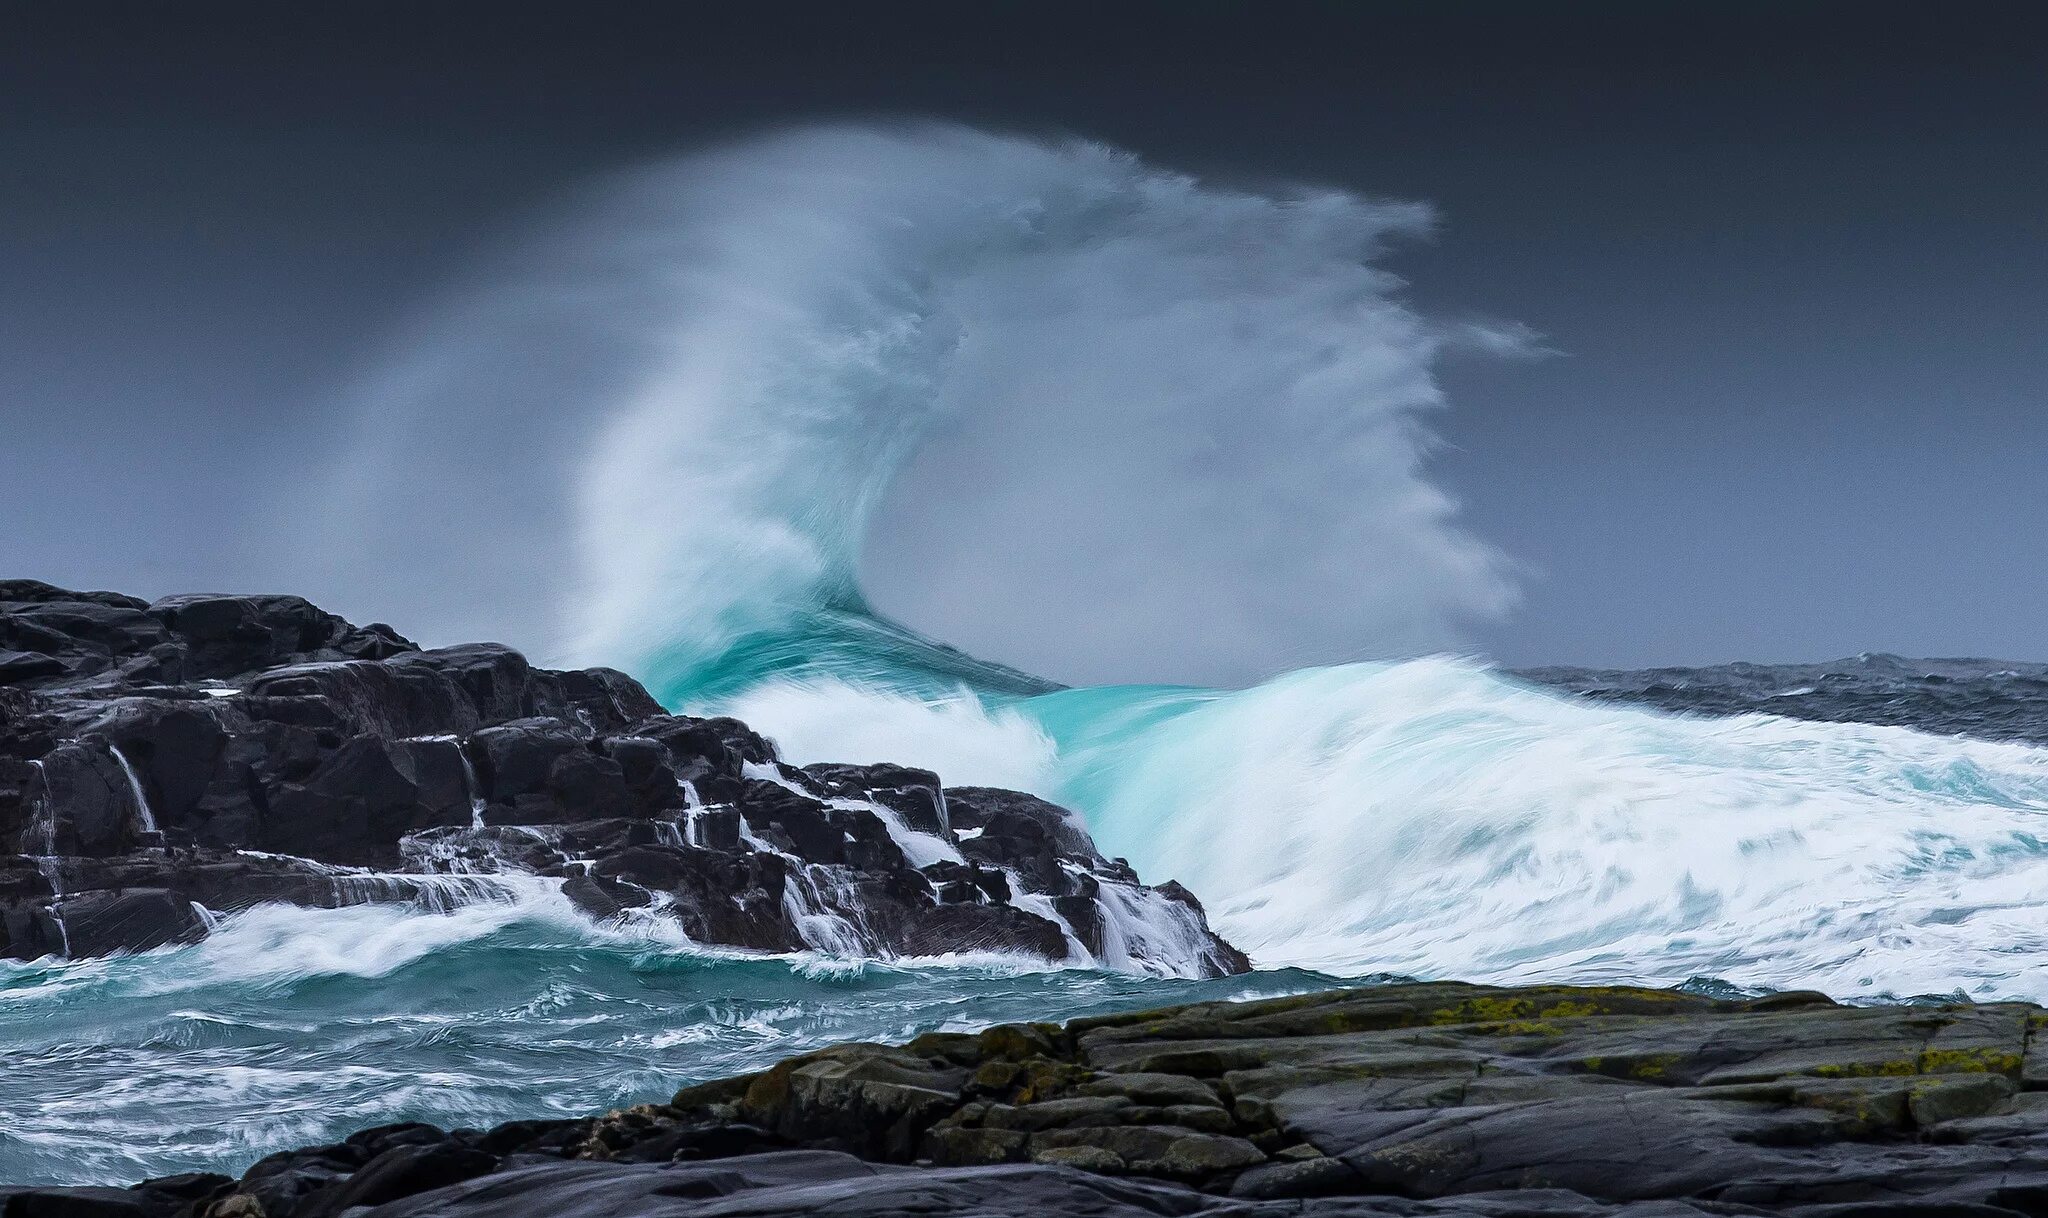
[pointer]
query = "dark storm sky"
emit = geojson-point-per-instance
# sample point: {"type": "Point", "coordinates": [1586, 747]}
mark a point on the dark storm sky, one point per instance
{"type": "Point", "coordinates": [1795, 262]}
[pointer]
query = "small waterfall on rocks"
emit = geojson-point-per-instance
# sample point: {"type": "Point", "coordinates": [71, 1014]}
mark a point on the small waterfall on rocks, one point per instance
{"type": "Point", "coordinates": [922, 849]}
{"type": "Point", "coordinates": [42, 830]}
{"type": "Point", "coordinates": [41, 837]}
{"type": "Point", "coordinates": [1143, 930]}
{"type": "Point", "coordinates": [1042, 905]}
{"type": "Point", "coordinates": [451, 852]}
{"type": "Point", "coordinates": [471, 787]}
{"type": "Point", "coordinates": [145, 821]}
{"type": "Point", "coordinates": [693, 808]}
{"type": "Point", "coordinates": [824, 909]}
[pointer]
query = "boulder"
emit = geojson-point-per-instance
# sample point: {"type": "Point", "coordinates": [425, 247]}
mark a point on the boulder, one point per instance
{"type": "Point", "coordinates": [717, 747]}
{"type": "Point", "coordinates": [86, 805]}
{"type": "Point", "coordinates": [915, 795]}
{"type": "Point", "coordinates": [128, 920]}
{"type": "Point", "coordinates": [360, 801]}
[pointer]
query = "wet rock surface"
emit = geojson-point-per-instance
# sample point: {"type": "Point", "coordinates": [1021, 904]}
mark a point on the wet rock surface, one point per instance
{"type": "Point", "coordinates": [165, 763]}
{"type": "Point", "coordinates": [1411, 1100]}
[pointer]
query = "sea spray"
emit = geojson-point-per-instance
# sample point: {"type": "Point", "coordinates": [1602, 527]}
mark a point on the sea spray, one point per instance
{"type": "Point", "coordinates": [820, 389]}
{"type": "Point", "coordinates": [1437, 818]}
{"type": "Point", "coordinates": [790, 376]}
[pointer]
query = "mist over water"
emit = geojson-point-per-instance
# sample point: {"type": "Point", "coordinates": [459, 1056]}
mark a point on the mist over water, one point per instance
{"type": "Point", "coordinates": [991, 386]}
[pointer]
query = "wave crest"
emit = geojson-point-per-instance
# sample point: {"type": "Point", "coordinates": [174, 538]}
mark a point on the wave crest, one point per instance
{"type": "Point", "coordinates": [807, 403]}
{"type": "Point", "coordinates": [994, 385]}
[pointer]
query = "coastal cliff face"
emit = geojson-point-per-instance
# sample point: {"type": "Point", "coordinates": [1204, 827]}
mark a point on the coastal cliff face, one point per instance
{"type": "Point", "coordinates": [1402, 1100]}
{"type": "Point", "coordinates": [165, 764]}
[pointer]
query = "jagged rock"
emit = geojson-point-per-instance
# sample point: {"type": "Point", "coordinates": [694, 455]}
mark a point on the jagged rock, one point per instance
{"type": "Point", "coordinates": [78, 1203]}
{"type": "Point", "coordinates": [978, 928]}
{"type": "Point", "coordinates": [967, 883]}
{"type": "Point", "coordinates": [960, 1146]}
{"type": "Point", "coordinates": [915, 795]}
{"type": "Point", "coordinates": [168, 748]}
{"type": "Point", "coordinates": [22, 666]}
{"type": "Point", "coordinates": [707, 748]}
{"type": "Point", "coordinates": [798, 1183]}
{"type": "Point", "coordinates": [872, 1100]}
{"type": "Point", "coordinates": [85, 804]}
{"type": "Point", "coordinates": [1020, 833]}
{"type": "Point", "coordinates": [647, 775]}
{"type": "Point", "coordinates": [225, 636]}
{"type": "Point", "coordinates": [1075, 1113]}
{"type": "Point", "coordinates": [1316, 1177]}
{"type": "Point", "coordinates": [175, 747]}
{"type": "Point", "coordinates": [717, 829]}
{"type": "Point", "coordinates": [541, 771]}
{"type": "Point", "coordinates": [1086, 1158]}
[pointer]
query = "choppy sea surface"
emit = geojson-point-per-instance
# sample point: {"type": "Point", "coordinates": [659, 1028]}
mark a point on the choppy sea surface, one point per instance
{"type": "Point", "coordinates": [293, 1026]}
{"type": "Point", "coordinates": [1987, 699]}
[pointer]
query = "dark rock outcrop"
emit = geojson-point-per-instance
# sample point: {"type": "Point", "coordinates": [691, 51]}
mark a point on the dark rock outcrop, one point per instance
{"type": "Point", "coordinates": [165, 763]}
{"type": "Point", "coordinates": [1403, 1101]}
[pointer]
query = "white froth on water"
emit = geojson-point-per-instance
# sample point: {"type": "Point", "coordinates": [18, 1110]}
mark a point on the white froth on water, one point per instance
{"type": "Point", "coordinates": [1435, 818]}
{"type": "Point", "coordinates": [965, 742]}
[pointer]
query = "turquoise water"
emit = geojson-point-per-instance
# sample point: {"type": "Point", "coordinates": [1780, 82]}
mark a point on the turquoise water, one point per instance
{"type": "Point", "coordinates": [1091, 409]}
{"type": "Point", "coordinates": [292, 1027]}
{"type": "Point", "coordinates": [1437, 817]}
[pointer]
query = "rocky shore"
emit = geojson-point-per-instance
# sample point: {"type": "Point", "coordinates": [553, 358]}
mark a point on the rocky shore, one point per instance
{"type": "Point", "coordinates": [1402, 1100]}
{"type": "Point", "coordinates": [164, 764]}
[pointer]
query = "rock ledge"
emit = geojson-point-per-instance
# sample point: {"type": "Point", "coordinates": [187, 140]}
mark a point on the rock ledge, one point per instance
{"type": "Point", "coordinates": [1406, 1100]}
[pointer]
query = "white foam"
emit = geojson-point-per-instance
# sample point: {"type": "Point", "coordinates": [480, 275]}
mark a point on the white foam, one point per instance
{"type": "Point", "coordinates": [1436, 819]}
{"type": "Point", "coordinates": [374, 940]}
{"type": "Point", "coordinates": [965, 742]}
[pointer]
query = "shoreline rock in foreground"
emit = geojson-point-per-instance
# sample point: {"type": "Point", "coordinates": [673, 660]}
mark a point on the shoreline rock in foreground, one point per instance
{"type": "Point", "coordinates": [1404, 1100]}
{"type": "Point", "coordinates": [163, 764]}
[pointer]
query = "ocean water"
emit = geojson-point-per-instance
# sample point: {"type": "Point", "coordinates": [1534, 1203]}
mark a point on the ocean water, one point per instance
{"type": "Point", "coordinates": [1440, 818]}
{"type": "Point", "coordinates": [1430, 818]}
{"type": "Point", "coordinates": [875, 401]}
{"type": "Point", "coordinates": [291, 1027]}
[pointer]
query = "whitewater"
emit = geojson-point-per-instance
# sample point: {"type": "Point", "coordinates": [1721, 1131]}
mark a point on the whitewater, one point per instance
{"type": "Point", "coordinates": [1033, 464]}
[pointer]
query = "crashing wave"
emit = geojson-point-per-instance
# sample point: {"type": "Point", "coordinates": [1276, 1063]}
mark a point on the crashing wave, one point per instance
{"type": "Point", "coordinates": [869, 388]}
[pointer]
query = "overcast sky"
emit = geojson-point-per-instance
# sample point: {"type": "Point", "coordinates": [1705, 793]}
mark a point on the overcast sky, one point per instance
{"type": "Point", "coordinates": [1793, 259]}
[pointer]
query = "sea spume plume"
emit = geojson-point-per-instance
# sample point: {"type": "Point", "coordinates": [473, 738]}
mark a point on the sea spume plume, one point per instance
{"type": "Point", "coordinates": [764, 424]}
{"type": "Point", "coordinates": [1033, 397]}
